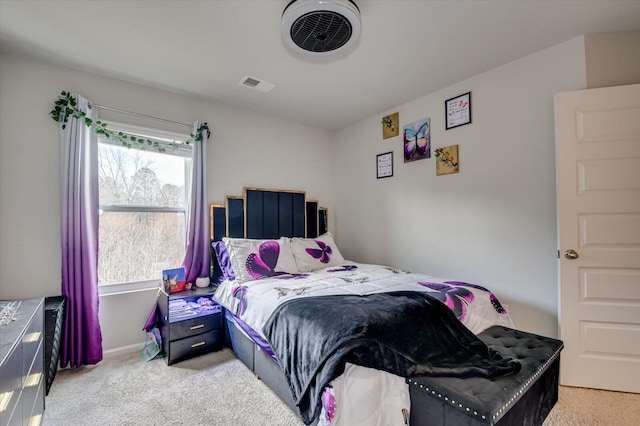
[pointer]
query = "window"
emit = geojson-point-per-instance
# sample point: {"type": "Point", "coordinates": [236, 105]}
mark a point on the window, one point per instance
{"type": "Point", "coordinates": [143, 196]}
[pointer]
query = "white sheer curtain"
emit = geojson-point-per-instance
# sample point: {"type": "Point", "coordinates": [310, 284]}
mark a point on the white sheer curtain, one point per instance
{"type": "Point", "coordinates": [197, 261]}
{"type": "Point", "coordinates": [82, 341]}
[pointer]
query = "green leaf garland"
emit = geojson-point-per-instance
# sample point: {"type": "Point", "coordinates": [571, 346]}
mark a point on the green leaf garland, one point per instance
{"type": "Point", "coordinates": [66, 106]}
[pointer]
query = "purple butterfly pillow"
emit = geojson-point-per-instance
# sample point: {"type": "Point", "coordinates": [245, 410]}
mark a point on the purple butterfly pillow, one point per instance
{"type": "Point", "coordinates": [312, 254]}
{"type": "Point", "coordinates": [256, 259]}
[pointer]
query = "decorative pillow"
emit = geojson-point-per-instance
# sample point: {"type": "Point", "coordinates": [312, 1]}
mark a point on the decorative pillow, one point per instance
{"type": "Point", "coordinates": [255, 259]}
{"type": "Point", "coordinates": [312, 254]}
{"type": "Point", "coordinates": [223, 260]}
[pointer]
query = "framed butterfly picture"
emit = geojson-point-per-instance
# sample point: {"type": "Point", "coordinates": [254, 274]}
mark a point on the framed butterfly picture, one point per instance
{"type": "Point", "coordinates": [457, 111]}
{"type": "Point", "coordinates": [416, 140]}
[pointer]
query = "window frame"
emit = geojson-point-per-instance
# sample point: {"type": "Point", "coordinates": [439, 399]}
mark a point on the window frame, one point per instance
{"type": "Point", "coordinates": [165, 138]}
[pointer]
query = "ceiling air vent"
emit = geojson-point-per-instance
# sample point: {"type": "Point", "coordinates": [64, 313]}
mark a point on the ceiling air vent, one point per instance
{"type": "Point", "coordinates": [257, 84]}
{"type": "Point", "coordinates": [320, 26]}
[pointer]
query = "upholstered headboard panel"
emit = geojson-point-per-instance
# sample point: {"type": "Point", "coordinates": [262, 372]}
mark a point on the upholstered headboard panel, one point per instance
{"type": "Point", "coordinates": [266, 214]}
{"type": "Point", "coordinates": [272, 214]}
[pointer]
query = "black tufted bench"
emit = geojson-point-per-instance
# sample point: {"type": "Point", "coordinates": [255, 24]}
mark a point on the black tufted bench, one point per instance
{"type": "Point", "coordinates": [521, 399]}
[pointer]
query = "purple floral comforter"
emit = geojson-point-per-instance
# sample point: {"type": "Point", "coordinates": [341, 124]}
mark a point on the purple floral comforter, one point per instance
{"type": "Point", "coordinates": [254, 301]}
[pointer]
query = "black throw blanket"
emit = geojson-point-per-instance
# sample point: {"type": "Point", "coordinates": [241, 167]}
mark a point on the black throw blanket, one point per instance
{"type": "Point", "coordinates": [405, 333]}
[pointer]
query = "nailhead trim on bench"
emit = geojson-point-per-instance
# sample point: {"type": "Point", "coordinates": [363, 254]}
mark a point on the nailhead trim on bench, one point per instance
{"type": "Point", "coordinates": [513, 399]}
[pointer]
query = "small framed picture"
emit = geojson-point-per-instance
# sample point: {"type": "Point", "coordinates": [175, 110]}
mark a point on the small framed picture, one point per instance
{"type": "Point", "coordinates": [457, 111]}
{"type": "Point", "coordinates": [447, 160]}
{"type": "Point", "coordinates": [384, 165]}
{"type": "Point", "coordinates": [390, 125]}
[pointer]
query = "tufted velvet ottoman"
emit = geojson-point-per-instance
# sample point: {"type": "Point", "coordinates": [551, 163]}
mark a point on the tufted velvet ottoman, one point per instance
{"type": "Point", "coordinates": [521, 399]}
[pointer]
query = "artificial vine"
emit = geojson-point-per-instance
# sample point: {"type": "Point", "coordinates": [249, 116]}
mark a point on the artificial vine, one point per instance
{"type": "Point", "coordinates": [66, 106]}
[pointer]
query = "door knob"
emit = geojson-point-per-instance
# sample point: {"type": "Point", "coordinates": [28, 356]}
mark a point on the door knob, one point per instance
{"type": "Point", "coordinates": [571, 254]}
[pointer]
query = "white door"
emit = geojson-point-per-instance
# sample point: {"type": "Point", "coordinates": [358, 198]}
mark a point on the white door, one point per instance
{"type": "Point", "coordinates": [598, 190]}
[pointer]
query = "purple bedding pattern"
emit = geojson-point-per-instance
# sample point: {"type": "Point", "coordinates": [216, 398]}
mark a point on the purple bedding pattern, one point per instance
{"type": "Point", "coordinates": [406, 333]}
{"type": "Point", "coordinates": [252, 302]}
{"type": "Point", "coordinates": [457, 298]}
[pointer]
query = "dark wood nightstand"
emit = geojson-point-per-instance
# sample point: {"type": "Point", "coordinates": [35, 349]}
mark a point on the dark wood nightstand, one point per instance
{"type": "Point", "coordinates": [190, 324]}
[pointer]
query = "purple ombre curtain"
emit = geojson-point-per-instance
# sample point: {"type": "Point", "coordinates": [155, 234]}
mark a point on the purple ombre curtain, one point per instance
{"type": "Point", "coordinates": [82, 342]}
{"type": "Point", "coordinates": [196, 260]}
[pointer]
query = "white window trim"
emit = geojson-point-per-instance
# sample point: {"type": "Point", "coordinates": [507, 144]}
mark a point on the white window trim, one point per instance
{"type": "Point", "coordinates": [165, 138]}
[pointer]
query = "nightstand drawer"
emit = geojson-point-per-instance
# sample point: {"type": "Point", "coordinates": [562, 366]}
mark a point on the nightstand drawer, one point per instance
{"type": "Point", "coordinates": [188, 328]}
{"type": "Point", "coordinates": [196, 345]}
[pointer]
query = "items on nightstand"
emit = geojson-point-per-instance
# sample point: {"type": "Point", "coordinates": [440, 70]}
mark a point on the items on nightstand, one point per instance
{"type": "Point", "coordinates": [190, 323]}
{"type": "Point", "coordinates": [202, 282]}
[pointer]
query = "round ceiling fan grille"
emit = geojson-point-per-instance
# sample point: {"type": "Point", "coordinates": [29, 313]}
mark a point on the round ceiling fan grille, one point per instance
{"type": "Point", "coordinates": [320, 26]}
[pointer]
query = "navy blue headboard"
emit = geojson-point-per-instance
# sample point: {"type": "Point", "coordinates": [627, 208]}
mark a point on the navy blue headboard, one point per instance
{"type": "Point", "coordinates": [266, 214]}
{"type": "Point", "coordinates": [272, 214]}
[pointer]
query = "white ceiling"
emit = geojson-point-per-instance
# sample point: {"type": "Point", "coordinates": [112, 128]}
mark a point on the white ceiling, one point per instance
{"type": "Point", "coordinates": [407, 48]}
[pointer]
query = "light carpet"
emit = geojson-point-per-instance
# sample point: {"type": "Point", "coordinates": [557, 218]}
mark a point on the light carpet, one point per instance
{"type": "Point", "coordinates": [217, 389]}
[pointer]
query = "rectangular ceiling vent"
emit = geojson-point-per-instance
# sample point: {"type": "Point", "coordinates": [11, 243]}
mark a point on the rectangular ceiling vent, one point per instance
{"type": "Point", "coordinates": [256, 84]}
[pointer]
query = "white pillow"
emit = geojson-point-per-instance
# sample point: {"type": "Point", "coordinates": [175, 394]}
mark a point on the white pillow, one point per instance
{"type": "Point", "coordinates": [255, 259]}
{"type": "Point", "coordinates": [312, 254]}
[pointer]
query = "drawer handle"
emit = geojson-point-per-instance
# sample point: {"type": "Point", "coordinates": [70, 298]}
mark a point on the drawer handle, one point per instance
{"type": "Point", "coordinates": [195, 327]}
{"type": "Point", "coordinates": [195, 345]}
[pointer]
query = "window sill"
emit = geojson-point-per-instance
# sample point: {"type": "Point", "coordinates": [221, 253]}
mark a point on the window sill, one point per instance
{"type": "Point", "coordinates": [124, 288]}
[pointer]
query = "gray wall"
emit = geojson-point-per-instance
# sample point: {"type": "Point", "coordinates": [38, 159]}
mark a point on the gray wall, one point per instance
{"type": "Point", "coordinates": [246, 149]}
{"type": "Point", "coordinates": [492, 224]}
{"type": "Point", "coordinates": [613, 59]}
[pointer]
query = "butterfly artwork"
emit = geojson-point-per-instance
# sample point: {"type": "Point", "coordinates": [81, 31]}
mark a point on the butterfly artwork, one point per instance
{"type": "Point", "coordinates": [390, 125]}
{"type": "Point", "coordinates": [458, 111]}
{"type": "Point", "coordinates": [447, 160]}
{"type": "Point", "coordinates": [416, 139]}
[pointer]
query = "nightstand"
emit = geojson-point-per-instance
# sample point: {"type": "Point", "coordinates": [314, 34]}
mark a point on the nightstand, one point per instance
{"type": "Point", "coordinates": [190, 324]}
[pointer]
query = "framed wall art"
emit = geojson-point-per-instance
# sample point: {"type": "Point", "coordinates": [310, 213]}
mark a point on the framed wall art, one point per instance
{"type": "Point", "coordinates": [447, 160]}
{"type": "Point", "coordinates": [457, 111]}
{"type": "Point", "coordinates": [416, 139]}
{"type": "Point", "coordinates": [390, 125]}
{"type": "Point", "coordinates": [384, 165]}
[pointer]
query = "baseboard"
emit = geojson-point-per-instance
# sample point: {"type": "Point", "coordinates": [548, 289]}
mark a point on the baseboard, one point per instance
{"type": "Point", "coordinates": [123, 350]}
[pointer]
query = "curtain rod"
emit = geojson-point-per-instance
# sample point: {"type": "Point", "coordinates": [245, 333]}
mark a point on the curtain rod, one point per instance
{"type": "Point", "coordinates": [136, 114]}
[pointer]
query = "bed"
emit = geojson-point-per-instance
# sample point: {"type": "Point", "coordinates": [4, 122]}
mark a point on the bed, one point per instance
{"type": "Point", "coordinates": [295, 309]}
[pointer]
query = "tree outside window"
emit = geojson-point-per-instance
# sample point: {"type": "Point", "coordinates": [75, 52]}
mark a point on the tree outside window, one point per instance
{"type": "Point", "coordinates": [143, 201]}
